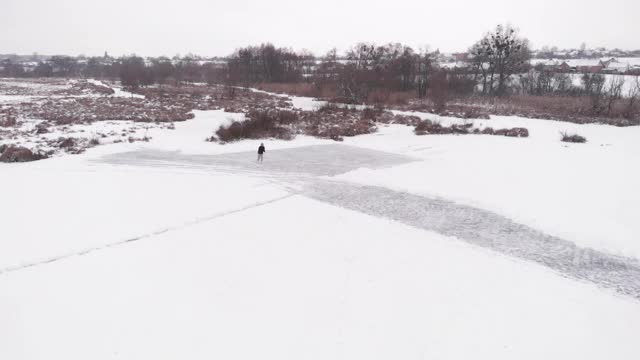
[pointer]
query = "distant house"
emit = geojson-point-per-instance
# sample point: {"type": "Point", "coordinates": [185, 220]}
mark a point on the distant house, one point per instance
{"type": "Point", "coordinates": [633, 70]}
{"type": "Point", "coordinates": [569, 65]}
{"type": "Point", "coordinates": [583, 65]}
{"type": "Point", "coordinates": [546, 64]}
{"type": "Point", "coordinates": [29, 65]}
{"type": "Point", "coordinates": [594, 69]}
{"type": "Point", "coordinates": [462, 57]}
{"type": "Point", "coordinates": [453, 65]}
{"type": "Point", "coordinates": [618, 66]}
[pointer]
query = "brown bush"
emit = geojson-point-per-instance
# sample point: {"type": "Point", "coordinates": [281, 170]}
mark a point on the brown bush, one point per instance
{"type": "Point", "coordinates": [439, 90]}
{"type": "Point", "coordinates": [428, 127]}
{"type": "Point", "coordinates": [260, 124]}
{"type": "Point", "coordinates": [14, 153]}
{"type": "Point", "coordinates": [574, 138]}
{"type": "Point", "coordinates": [372, 113]}
{"type": "Point", "coordinates": [8, 117]}
{"type": "Point", "coordinates": [576, 109]}
{"type": "Point", "coordinates": [133, 139]}
{"type": "Point", "coordinates": [518, 132]}
{"type": "Point", "coordinates": [334, 122]}
{"type": "Point", "coordinates": [66, 143]}
{"type": "Point", "coordinates": [42, 128]}
{"type": "Point", "coordinates": [331, 107]}
{"type": "Point", "coordinates": [388, 97]}
{"type": "Point", "coordinates": [401, 119]}
{"type": "Point", "coordinates": [86, 110]}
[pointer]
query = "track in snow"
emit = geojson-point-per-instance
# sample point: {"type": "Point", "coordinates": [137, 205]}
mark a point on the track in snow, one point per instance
{"type": "Point", "coordinates": [136, 238]}
{"type": "Point", "coordinates": [302, 167]}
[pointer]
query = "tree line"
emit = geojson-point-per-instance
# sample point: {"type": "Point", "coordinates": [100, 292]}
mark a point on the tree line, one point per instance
{"type": "Point", "coordinates": [498, 64]}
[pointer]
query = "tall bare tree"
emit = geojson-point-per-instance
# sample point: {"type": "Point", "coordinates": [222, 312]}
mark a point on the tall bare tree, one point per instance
{"type": "Point", "coordinates": [498, 55]}
{"type": "Point", "coordinates": [614, 92]}
{"type": "Point", "coordinates": [633, 95]}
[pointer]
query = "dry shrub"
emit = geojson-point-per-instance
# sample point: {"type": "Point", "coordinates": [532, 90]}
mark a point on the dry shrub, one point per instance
{"type": "Point", "coordinates": [66, 143]}
{"type": "Point", "coordinates": [574, 138]}
{"type": "Point", "coordinates": [42, 128]}
{"type": "Point", "coordinates": [439, 90]}
{"type": "Point", "coordinates": [133, 139]}
{"type": "Point", "coordinates": [260, 124]}
{"type": "Point", "coordinates": [372, 113]}
{"type": "Point", "coordinates": [8, 117]}
{"type": "Point", "coordinates": [335, 122]}
{"type": "Point", "coordinates": [86, 110]}
{"type": "Point", "coordinates": [332, 107]}
{"type": "Point", "coordinates": [576, 109]}
{"type": "Point", "coordinates": [513, 132]}
{"type": "Point", "coordinates": [518, 132]}
{"type": "Point", "coordinates": [464, 108]}
{"type": "Point", "coordinates": [428, 127]}
{"type": "Point", "coordinates": [326, 90]}
{"type": "Point", "coordinates": [474, 113]}
{"type": "Point", "coordinates": [14, 153]}
{"type": "Point", "coordinates": [388, 97]}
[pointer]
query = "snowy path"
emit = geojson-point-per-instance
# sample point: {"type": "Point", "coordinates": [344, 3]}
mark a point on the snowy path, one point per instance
{"type": "Point", "coordinates": [486, 229]}
{"type": "Point", "coordinates": [301, 169]}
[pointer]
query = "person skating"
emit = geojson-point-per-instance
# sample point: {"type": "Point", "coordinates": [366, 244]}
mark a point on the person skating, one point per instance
{"type": "Point", "coordinates": [261, 151]}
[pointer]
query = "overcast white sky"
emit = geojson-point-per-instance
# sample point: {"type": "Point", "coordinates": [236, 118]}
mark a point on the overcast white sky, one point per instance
{"type": "Point", "coordinates": [210, 27]}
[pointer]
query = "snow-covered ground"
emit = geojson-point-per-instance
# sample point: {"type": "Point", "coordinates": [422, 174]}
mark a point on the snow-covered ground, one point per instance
{"type": "Point", "coordinates": [586, 193]}
{"type": "Point", "coordinates": [25, 133]}
{"type": "Point", "coordinates": [118, 91]}
{"type": "Point", "coordinates": [159, 257]}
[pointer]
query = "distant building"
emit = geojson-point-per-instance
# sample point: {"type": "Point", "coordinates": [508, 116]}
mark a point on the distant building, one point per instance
{"type": "Point", "coordinates": [461, 56]}
{"type": "Point", "coordinates": [582, 65]}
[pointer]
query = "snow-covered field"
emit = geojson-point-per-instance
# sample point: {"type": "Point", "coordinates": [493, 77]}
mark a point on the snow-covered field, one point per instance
{"type": "Point", "coordinates": [586, 193]}
{"type": "Point", "coordinates": [179, 248]}
{"type": "Point", "coordinates": [25, 132]}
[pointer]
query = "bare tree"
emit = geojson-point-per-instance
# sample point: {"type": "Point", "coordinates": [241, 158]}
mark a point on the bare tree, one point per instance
{"type": "Point", "coordinates": [593, 85]}
{"type": "Point", "coordinates": [132, 71]}
{"type": "Point", "coordinates": [423, 71]}
{"type": "Point", "coordinates": [633, 95]}
{"type": "Point", "coordinates": [63, 65]}
{"type": "Point", "coordinates": [497, 56]}
{"type": "Point", "coordinates": [614, 92]}
{"type": "Point", "coordinates": [439, 90]}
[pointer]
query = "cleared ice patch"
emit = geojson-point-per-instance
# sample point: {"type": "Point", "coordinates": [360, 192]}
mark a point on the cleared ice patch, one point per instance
{"type": "Point", "coordinates": [319, 160]}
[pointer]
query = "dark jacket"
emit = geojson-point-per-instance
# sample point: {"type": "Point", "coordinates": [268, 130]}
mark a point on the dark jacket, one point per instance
{"type": "Point", "coordinates": [261, 150]}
